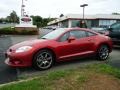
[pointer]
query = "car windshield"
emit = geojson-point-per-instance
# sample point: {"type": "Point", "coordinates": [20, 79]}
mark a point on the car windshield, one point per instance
{"type": "Point", "coordinates": [54, 34]}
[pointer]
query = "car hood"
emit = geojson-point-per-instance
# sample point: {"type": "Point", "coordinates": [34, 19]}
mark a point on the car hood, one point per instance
{"type": "Point", "coordinates": [27, 43]}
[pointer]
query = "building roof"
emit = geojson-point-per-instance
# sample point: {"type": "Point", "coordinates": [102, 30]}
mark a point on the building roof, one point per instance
{"type": "Point", "coordinates": [80, 16]}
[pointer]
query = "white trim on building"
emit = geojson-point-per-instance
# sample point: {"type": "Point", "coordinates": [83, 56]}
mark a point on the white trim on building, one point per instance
{"type": "Point", "coordinates": [87, 17]}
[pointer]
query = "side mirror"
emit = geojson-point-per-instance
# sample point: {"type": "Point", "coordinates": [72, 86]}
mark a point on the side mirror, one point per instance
{"type": "Point", "coordinates": [71, 38]}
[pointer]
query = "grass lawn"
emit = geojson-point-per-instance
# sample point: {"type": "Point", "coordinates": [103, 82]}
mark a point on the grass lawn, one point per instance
{"type": "Point", "coordinates": [92, 77]}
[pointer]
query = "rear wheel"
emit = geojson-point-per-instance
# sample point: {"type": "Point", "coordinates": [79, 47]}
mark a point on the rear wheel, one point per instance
{"type": "Point", "coordinates": [43, 60]}
{"type": "Point", "coordinates": [103, 52]}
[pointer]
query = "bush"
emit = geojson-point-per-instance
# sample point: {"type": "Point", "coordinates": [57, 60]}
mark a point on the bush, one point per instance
{"type": "Point", "coordinates": [13, 31]}
{"type": "Point", "coordinates": [7, 30]}
{"type": "Point", "coordinates": [28, 32]}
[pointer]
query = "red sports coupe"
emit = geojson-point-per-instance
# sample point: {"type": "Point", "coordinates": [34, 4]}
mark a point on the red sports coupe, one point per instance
{"type": "Point", "coordinates": [59, 45]}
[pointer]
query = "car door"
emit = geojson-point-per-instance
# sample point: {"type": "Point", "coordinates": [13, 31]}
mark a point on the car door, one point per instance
{"type": "Point", "coordinates": [80, 46]}
{"type": "Point", "coordinates": [84, 43]}
{"type": "Point", "coordinates": [64, 48]}
{"type": "Point", "coordinates": [115, 31]}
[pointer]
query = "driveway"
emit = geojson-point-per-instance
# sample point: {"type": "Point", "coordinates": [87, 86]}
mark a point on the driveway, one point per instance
{"type": "Point", "coordinates": [8, 74]}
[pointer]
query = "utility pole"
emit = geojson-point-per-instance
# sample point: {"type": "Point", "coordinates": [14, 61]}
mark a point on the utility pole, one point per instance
{"type": "Point", "coordinates": [22, 8]}
{"type": "Point", "coordinates": [84, 5]}
{"type": "Point", "coordinates": [83, 24]}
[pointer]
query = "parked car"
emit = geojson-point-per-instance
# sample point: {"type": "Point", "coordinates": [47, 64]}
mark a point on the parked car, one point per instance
{"type": "Point", "coordinates": [100, 30]}
{"type": "Point", "coordinates": [114, 33]}
{"type": "Point", "coordinates": [59, 45]}
{"type": "Point", "coordinates": [50, 27]}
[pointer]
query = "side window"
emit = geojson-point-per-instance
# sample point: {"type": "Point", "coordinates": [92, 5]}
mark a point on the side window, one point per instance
{"type": "Point", "coordinates": [78, 34]}
{"type": "Point", "coordinates": [90, 34]}
{"type": "Point", "coordinates": [116, 27]}
{"type": "Point", "coordinates": [64, 37]}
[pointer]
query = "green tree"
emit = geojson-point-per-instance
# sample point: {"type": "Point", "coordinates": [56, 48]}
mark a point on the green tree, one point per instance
{"type": "Point", "coordinates": [41, 22]}
{"type": "Point", "coordinates": [13, 17]}
{"type": "Point", "coordinates": [37, 20]}
{"type": "Point", "coordinates": [2, 20]}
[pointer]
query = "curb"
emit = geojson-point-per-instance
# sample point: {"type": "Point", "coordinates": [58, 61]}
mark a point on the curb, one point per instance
{"type": "Point", "coordinates": [16, 82]}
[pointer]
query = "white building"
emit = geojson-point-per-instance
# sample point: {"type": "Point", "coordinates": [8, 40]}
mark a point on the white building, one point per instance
{"type": "Point", "coordinates": [73, 20]}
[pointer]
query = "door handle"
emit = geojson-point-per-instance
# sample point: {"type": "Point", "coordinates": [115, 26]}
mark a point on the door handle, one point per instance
{"type": "Point", "coordinates": [89, 40]}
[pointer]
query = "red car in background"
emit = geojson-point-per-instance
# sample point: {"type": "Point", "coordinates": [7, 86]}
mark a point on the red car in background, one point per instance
{"type": "Point", "coordinates": [59, 45]}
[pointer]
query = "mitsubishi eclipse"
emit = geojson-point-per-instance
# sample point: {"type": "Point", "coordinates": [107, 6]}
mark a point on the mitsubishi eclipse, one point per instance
{"type": "Point", "coordinates": [59, 45]}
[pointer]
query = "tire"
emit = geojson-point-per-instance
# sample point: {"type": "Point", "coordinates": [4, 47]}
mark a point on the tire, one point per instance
{"type": "Point", "coordinates": [103, 53]}
{"type": "Point", "coordinates": [43, 60]}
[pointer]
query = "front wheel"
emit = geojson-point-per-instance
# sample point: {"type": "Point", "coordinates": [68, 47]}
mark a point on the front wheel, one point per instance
{"type": "Point", "coordinates": [103, 52]}
{"type": "Point", "coordinates": [43, 60]}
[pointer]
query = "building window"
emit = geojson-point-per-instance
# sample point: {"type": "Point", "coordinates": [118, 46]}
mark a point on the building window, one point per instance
{"type": "Point", "coordinates": [79, 23]}
{"type": "Point", "coordinates": [64, 24]}
{"type": "Point", "coordinates": [94, 23]}
{"type": "Point", "coordinates": [75, 23]}
{"type": "Point", "coordinates": [106, 22]}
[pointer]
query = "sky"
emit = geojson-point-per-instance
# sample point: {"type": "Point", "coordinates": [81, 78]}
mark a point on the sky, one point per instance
{"type": "Point", "coordinates": [53, 8]}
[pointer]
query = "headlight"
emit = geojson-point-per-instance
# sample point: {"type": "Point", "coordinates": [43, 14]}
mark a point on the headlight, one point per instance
{"type": "Point", "coordinates": [23, 49]}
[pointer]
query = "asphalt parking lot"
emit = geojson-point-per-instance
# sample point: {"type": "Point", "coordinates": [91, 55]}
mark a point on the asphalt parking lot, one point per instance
{"type": "Point", "coordinates": [8, 74]}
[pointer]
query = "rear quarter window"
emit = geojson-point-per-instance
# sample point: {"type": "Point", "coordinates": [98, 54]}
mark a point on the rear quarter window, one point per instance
{"type": "Point", "coordinates": [90, 34]}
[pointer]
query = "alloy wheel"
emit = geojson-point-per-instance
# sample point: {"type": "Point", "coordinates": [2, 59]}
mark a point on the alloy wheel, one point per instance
{"type": "Point", "coordinates": [103, 52]}
{"type": "Point", "coordinates": [43, 60]}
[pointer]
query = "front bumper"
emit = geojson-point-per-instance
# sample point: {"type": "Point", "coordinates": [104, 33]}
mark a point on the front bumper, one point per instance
{"type": "Point", "coordinates": [19, 59]}
{"type": "Point", "coordinates": [7, 61]}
